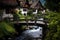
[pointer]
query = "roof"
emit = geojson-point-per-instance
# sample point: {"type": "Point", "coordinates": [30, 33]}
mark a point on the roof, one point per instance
{"type": "Point", "coordinates": [22, 3]}
{"type": "Point", "coordinates": [9, 2]}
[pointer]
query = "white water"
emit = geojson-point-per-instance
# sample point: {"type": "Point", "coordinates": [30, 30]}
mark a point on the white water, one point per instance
{"type": "Point", "coordinates": [31, 33]}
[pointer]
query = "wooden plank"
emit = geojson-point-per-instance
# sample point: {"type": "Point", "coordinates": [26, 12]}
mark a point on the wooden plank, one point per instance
{"type": "Point", "coordinates": [30, 22]}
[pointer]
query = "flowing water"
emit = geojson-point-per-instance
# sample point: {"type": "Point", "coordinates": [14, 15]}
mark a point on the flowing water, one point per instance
{"type": "Point", "coordinates": [31, 34]}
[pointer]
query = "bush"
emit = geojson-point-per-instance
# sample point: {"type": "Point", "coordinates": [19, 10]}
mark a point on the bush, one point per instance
{"type": "Point", "coordinates": [54, 26]}
{"type": "Point", "coordinates": [6, 29]}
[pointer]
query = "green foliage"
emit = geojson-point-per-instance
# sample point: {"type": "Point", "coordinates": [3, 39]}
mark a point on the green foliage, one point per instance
{"type": "Point", "coordinates": [6, 29]}
{"type": "Point", "coordinates": [20, 16]}
{"type": "Point", "coordinates": [29, 12]}
{"type": "Point", "coordinates": [23, 27]}
{"type": "Point", "coordinates": [1, 33]}
{"type": "Point", "coordinates": [54, 26]}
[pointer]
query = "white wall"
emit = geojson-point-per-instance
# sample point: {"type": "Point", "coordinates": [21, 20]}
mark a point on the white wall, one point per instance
{"type": "Point", "coordinates": [43, 12]}
{"type": "Point", "coordinates": [23, 12]}
{"type": "Point", "coordinates": [6, 15]}
{"type": "Point", "coordinates": [35, 12]}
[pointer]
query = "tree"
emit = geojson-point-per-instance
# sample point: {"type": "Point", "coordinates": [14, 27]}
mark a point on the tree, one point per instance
{"type": "Point", "coordinates": [53, 5]}
{"type": "Point", "coordinates": [54, 26]}
{"type": "Point", "coordinates": [53, 17]}
{"type": "Point", "coordinates": [6, 29]}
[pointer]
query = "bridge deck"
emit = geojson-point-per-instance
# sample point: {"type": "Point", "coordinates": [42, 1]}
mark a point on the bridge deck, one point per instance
{"type": "Point", "coordinates": [29, 22]}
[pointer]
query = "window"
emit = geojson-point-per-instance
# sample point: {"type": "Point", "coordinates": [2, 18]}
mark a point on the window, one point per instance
{"type": "Point", "coordinates": [24, 14]}
{"type": "Point", "coordinates": [24, 9]}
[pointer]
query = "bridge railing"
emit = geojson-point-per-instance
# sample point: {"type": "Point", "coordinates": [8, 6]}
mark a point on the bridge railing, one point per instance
{"type": "Point", "coordinates": [38, 20]}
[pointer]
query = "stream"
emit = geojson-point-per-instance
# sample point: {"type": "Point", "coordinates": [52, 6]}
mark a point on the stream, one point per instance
{"type": "Point", "coordinates": [34, 33]}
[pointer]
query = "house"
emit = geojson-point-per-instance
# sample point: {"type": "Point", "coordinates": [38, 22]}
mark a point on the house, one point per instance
{"type": "Point", "coordinates": [6, 15]}
{"type": "Point", "coordinates": [8, 2]}
{"type": "Point", "coordinates": [24, 11]}
{"type": "Point", "coordinates": [23, 5]}
{"type": "Point", "coordinates": [33, 4]}
{"type": "Point", "coordinates": [36, 4]}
